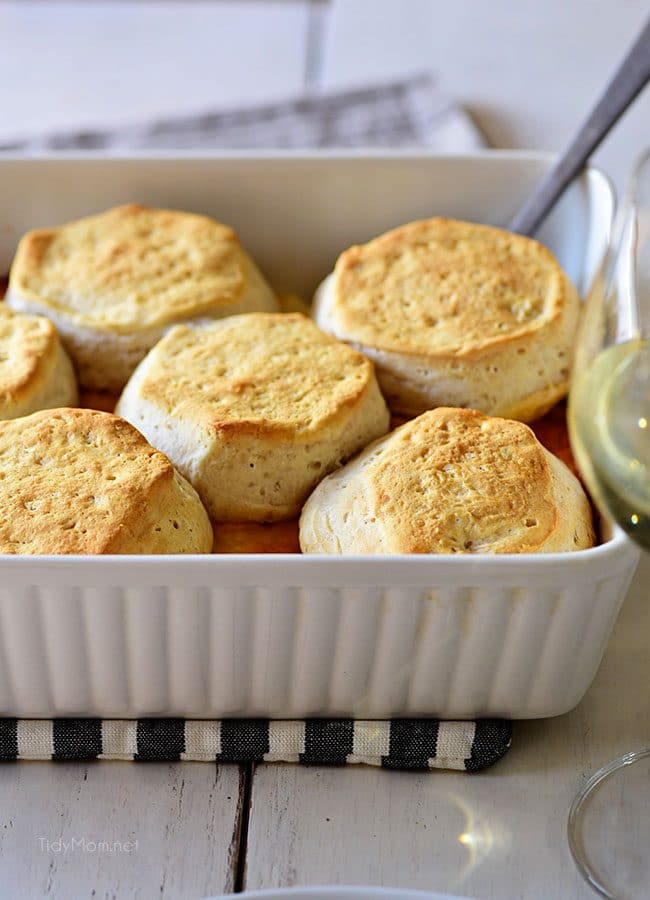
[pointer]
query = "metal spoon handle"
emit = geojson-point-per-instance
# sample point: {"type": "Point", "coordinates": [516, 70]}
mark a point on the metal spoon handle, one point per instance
{"type": "Point", "coordinates": [629, 79]}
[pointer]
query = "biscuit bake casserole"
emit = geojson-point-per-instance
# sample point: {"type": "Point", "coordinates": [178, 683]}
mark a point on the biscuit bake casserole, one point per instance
{"type": "Point", "coordinates": [256, 628]}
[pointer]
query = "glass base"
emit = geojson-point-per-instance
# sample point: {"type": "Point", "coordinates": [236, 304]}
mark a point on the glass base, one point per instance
{"type": "Point", "coordinates": [609, 828]}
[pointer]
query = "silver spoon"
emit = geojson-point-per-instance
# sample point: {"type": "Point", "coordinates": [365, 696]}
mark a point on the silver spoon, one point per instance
{"type": "Point", "coordinates": [627, 82]}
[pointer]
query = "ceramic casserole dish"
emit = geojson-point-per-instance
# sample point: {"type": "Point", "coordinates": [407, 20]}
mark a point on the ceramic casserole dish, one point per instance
{"type": "Point", "coordinates": [287, 636]}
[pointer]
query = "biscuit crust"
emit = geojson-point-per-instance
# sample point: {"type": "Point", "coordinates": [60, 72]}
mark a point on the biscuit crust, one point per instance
{"type": "Point", "coordinates": [82, 481]}
{"type": "Point", "coordinates": [35, 373]}
{"type": "Point", "coordinates": [446, 287]}
{"type": "Point", "coordinates": [254, 410]}
{"type": "Point", "coordinates": [450, 481]}
{"type": "Point", "coordinates": [113, 282]}
{"type": "Point", "coordinates": [264, 373]}
{"type": "Point", "coordinates": [131, 268]}
{"type": "Point", "coordinates": [456, 314]}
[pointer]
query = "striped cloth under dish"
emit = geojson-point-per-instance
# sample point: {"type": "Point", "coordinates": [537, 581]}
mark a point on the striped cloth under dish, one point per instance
{"type": "Point", "coordinates": [397, 744]}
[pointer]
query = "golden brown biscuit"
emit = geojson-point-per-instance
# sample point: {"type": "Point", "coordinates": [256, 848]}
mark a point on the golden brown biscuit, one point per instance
{"type": "Point", "coordinates": [456, 314]}
{"type": "Point", "coordinates": [112, 283]}
{"type": "Point", "coordinates": [254, 410]}
{"type": "Point", "coordinates": [450, 481]}
{"type": "Point", "coordinates": [81, 481]}
{"type": "Point", "coordinates": [35, 372]}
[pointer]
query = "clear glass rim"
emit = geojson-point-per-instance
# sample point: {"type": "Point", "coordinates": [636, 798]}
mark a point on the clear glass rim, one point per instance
{"type": "Point", "coordinates": [640, 163]}
{"type": "Point", "coordinates": [621, 246]}
{"type": "Point", "coordinates": [574, 821]}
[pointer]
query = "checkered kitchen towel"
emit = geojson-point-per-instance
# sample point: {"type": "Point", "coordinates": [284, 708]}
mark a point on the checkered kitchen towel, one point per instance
{"type": "Point", "coordinates": [411, 112]}
{"type": "Point", "coordinates": [397, 744]}
{"type": "Point", "coordinates": [406, 113]}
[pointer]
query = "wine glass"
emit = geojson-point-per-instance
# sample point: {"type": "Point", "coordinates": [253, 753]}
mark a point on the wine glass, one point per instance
{"type": "Point", "coordinates": [609, 428]}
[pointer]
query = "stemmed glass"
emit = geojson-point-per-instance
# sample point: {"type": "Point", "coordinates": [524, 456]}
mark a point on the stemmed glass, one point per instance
{"type": "Point", "coordinates": [609, 427]}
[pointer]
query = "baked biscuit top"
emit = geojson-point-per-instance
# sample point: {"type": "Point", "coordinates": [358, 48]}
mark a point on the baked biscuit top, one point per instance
{"type": "Point", "coordinates": [26, 345]}
{"type": "Point", "coordinates": [259, 373]}
{"type": "Point", "coordinates": [454, 480]}
{"type": "Point", "coordinates": [75, 481]}
{"type": "Point", "coordinates": [446, 288]}
{"type": "Point", "coordinates": [131, 268]}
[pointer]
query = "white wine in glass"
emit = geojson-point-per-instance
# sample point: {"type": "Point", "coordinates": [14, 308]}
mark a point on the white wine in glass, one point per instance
{"type": "Point", "coordinates": [610, 432]}
{"type": "Point", "coordinates": [609, 427]}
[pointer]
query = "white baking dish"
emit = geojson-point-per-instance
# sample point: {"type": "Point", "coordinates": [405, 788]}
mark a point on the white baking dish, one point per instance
{"type": "Point", "coordinates": [291, 636]}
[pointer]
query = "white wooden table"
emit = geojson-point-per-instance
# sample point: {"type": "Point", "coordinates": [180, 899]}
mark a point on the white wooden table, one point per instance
{"type": "Point", "coordinates": [527, 71]}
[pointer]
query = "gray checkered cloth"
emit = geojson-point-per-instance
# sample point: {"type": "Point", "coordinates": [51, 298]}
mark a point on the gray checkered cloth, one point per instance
{"type": "Point", "coordinates": [406, 113]}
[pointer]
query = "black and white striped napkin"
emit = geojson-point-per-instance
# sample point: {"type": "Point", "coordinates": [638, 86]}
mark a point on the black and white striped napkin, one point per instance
{"type": "Point", "coordinates": [405, 113]}
{"type": "Point", "coordinates": [397, 744]}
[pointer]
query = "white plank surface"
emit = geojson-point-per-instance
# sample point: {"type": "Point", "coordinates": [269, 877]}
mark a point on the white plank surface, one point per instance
{"type": "Point", "coordinates": [527, 70]}
{"type": "Point", "coordinates": [184, 818]}
{"type": "Point", "coordinates": [498, 835]}
{"type": "Point", "coordinates": [69, 64]}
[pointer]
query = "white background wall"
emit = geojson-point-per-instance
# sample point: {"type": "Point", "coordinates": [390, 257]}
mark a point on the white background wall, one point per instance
{"type": "Point", "coordinates": [527, 69]}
